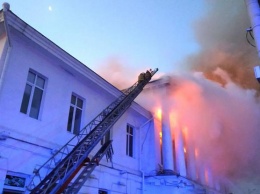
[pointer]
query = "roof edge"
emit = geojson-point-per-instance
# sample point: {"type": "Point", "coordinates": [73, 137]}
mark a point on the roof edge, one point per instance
{"type": "Point", "coordinates": [31, 33]}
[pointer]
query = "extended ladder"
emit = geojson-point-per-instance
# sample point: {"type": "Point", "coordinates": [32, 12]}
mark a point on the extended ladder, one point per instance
{"type": "Point", "coordinates": [55, 174]}
{"type": "Point", "coordinates": [90, 165]}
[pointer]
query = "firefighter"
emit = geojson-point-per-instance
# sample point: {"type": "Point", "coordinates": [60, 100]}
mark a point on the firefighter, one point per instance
{"type": "Point", "coordinates": [148, 75]}
{"type": "Point", "coordinates": [141, 77]}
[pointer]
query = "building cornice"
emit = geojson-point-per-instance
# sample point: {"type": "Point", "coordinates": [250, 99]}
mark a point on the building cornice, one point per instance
{"type": "Point", "coordinates": [28, 31]}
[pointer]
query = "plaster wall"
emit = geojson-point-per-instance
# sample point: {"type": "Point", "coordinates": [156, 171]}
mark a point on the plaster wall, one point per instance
{"type": "Point", "coordinates": [29, 142]}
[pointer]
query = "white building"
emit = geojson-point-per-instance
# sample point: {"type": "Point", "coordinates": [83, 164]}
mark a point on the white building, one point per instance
{"type": "Point", "coordinates": [46, 96]}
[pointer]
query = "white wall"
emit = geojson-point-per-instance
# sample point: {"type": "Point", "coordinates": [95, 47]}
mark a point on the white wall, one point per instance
{"type": "Point", "coordinates": [49, 131]}
{"type": "Point", "coordinates": [59, 87]}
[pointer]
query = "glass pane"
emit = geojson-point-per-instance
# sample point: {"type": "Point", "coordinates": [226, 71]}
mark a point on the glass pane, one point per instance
{"type": "Point", "coordinates": [129, 129]}
{"type": "Point", "coordinates": [77, 121]}
{"type": "Point", "coordinates": [26, 98]}
{"type": "Point", "coordinates": [69, 125]}
{"type": "Point", "coordinates": [36, 103]}
{"type": "Point", "coordinates": [31, 77]}
{"type": "Point", "coordinates": [15, 181]}
{"type": "Point", "coordinates": [127, 152]}
{"type": "Point", "coordinates": [73, 99]}
{"type": "Point", "coordinates": [79, 103]}
{"type": "Point", "coordinates": [40, 82]}
{"type": "Point", "coordinates": [130, 145]}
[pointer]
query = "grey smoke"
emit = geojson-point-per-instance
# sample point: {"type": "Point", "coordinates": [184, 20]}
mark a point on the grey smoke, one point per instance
{"type": "Point", "coordinates": [221, 34]}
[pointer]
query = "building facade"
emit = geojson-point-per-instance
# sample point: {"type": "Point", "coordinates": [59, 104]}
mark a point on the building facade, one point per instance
{"type": "Point", "coordinates": [47, 96]}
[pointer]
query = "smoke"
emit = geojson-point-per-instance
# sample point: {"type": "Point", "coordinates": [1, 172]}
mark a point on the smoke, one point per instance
{"type": "Point", "coordinates": [119, 73]}
{"type": "Point", "coordinates": [222, 122]}
{"type": "Point", "coordinates": [218, 104]}
{"type": "Point", "coordinates": [221, 35]}
{"type": "Point", "coordinates": [223, 118]}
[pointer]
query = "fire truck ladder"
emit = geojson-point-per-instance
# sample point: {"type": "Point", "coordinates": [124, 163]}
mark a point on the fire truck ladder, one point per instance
{"type": "Point", "coordinates": [57, 172]}
{"type": "Point", "coordinates": [89, 167]}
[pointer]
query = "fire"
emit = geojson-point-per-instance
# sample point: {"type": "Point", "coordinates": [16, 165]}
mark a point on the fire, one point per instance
{"type": "Point", "coordinates": [158, 123]}
{"type": "Point", "coordinates": [173, 119]}
{"type": "Point", "coordinates": [185, 132]}
{"type": "Point", "coordinates": [159, 114]}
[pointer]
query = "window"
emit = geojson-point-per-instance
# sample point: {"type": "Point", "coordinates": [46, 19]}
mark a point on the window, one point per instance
{"type": "Point", "coordinates": [15, 183]}
{"type": "Point", "coordinates": [32, 96]}
{"type": "Point", "coordinates": [75, 113]}
{"type": "Point", "coordinates": [129, 140]}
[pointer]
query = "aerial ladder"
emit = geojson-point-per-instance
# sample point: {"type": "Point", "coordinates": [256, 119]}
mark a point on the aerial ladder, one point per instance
{"type": "Point", "coordinates": [71, 162]}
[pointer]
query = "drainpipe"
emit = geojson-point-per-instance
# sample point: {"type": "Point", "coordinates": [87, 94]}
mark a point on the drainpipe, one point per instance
{"type": "Point", "coordinates": [253, 9]}
{"type": "Point", "coordinates": [254, 15]}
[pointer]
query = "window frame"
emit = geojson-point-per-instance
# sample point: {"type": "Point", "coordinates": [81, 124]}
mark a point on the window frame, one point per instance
{"type": "Point", "coordinates": [74, 114]}
{"type": "Point", "coordinates": [130, 141]}
{"type": "Point", "coordinates": [16, 189]}
{"type": "Point", "coordinates": [27, 104]}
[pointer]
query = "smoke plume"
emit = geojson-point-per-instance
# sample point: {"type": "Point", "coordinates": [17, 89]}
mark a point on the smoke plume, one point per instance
{"type": "Point", "coordinates": [221, 35]}
{"type": "Point", "coordinates": [218, 104]}
{"type": "Point", "coordinates": [120, 74]}
{"type": "Point", "coordinates": [222, 123]}
{"type": "Point", "coordinates": [223, 118]}
{"type": "Point", "coordinates": [117, 73]}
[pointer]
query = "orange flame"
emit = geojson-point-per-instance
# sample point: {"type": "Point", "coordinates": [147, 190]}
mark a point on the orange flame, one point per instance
{"type": "Point", "coordinates": [159, 113]}
{"type": "Point", "coordinates": [173, 119]}
{"type": "Point", "coordinates": [158, 123]}
{"type": "Point", "coordinates": [185, 132]}
{"type": "Point", "coordinates": [160, 134]}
